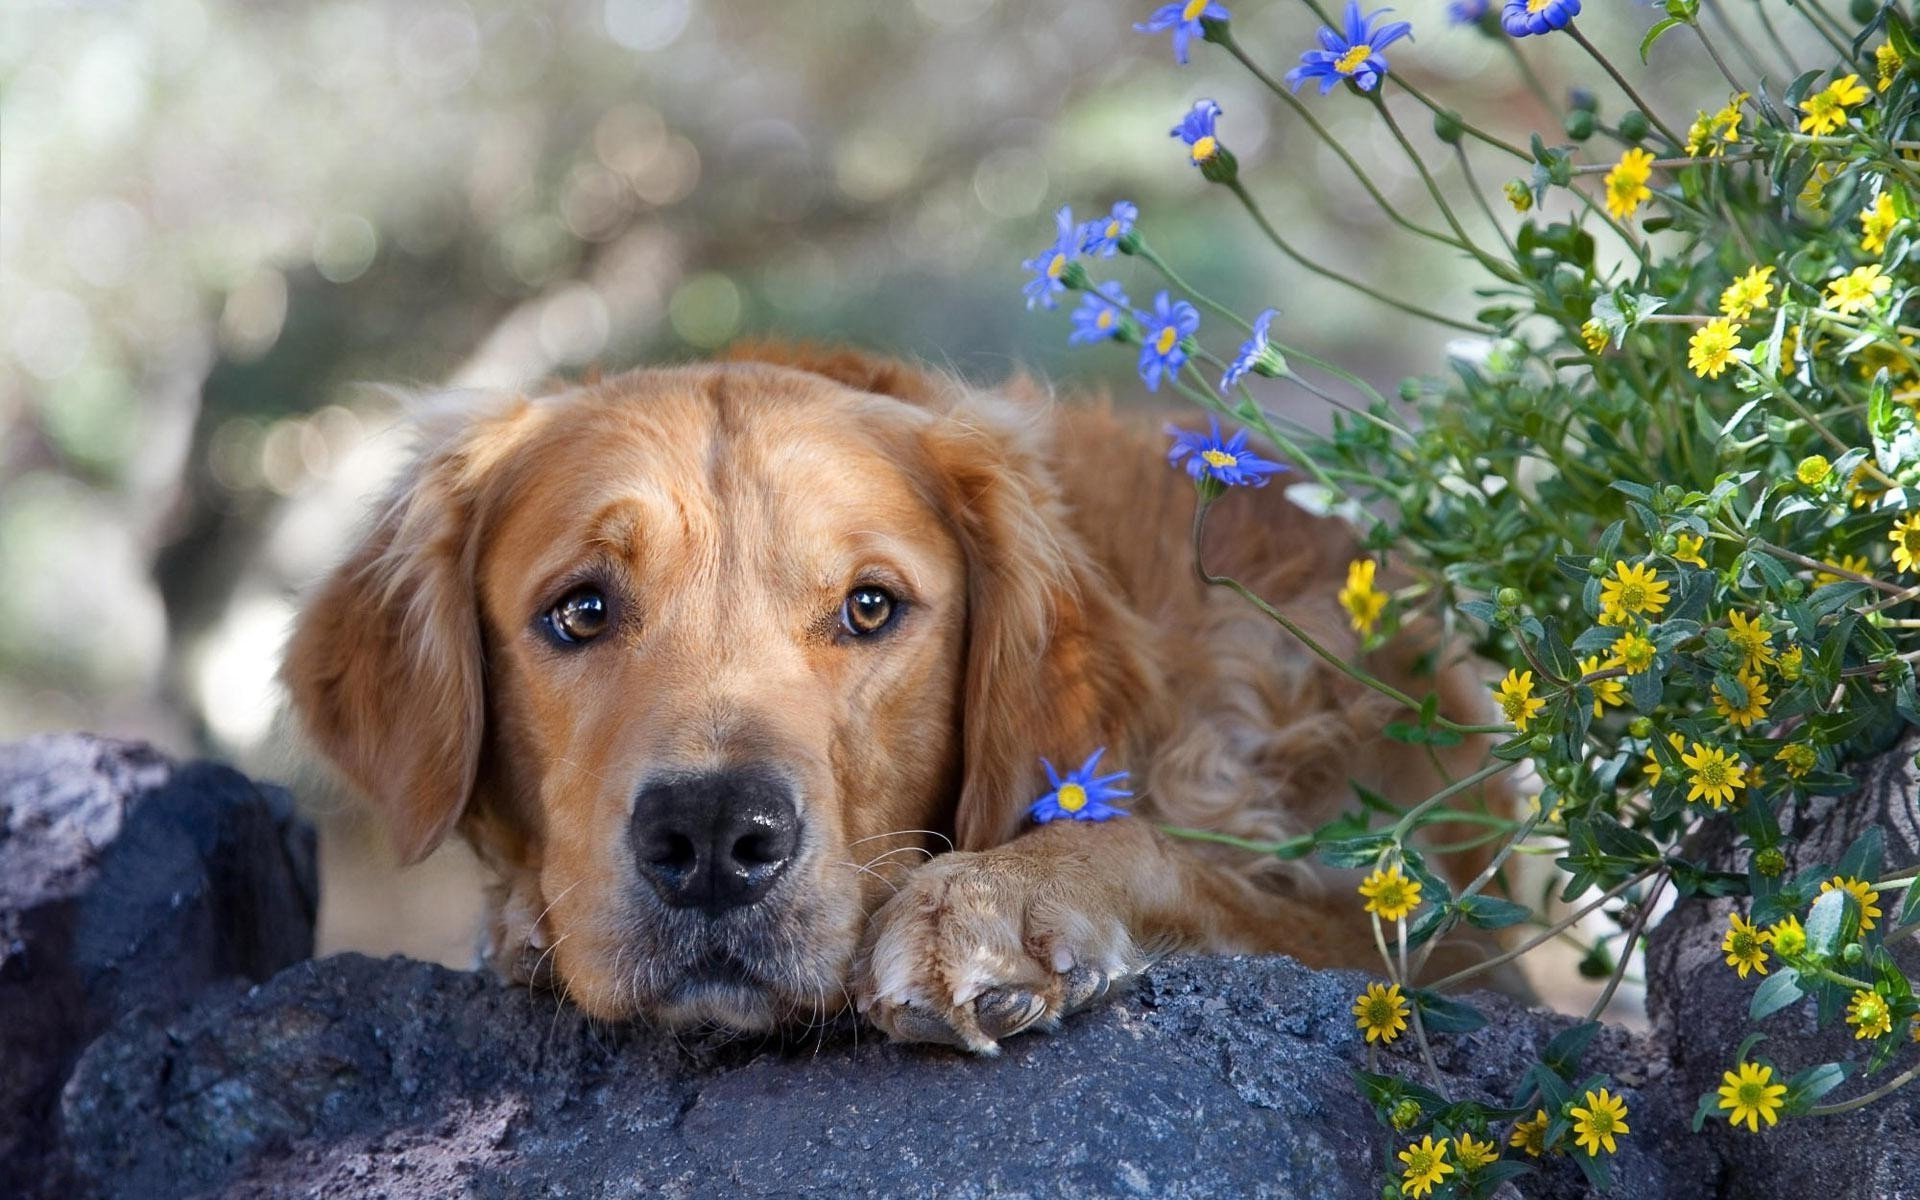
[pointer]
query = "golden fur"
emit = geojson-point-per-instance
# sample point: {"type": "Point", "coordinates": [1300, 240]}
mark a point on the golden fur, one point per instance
{"type": "Point", "coordinates": [1052, 608]}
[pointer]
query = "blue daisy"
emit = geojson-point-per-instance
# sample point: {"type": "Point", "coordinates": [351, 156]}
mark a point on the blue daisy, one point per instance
{"type": "Point", "coordinates": [1254, 352]}
{"type": "Point", "coordinates": [1050, 265]}
{"type": "Point", "coordinates": [1101, 316]}
{"type": "Point", "coordinates": [1081, 796]}
{"type": "Point", "coordinates": [1468, 12]}
{"type": "Point", "coordinates": [1355, 56]}
{"type": "Point", "coordinates": [1163, 341]}
{"type": "Point", "coordinates": [1183, 17]}
{"type": "Point", "coordinates": [1227, 460]}
{"type": "Point", "coordinates": [1521, 18]}
{"type": "Point", "coordinates": [1101, 239]}
{"type": "Point", "coordinates": [1197, 131]}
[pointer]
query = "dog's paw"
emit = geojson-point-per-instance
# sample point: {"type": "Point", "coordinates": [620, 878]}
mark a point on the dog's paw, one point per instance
{"type": "Point", "coordinates": [977, 947]}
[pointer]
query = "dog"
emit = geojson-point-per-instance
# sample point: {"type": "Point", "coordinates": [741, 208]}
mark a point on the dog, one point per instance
{"type": "Point", "coordinates": [740, 677]}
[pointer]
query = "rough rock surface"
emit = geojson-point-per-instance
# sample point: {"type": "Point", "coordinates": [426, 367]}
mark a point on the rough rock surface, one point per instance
{"type": "Point", "coordinates": [1701, 1009]}
{"type": "Point", "coordinates": [351, 1076]}
{"type": "Point", "coordinates": [126, 882]}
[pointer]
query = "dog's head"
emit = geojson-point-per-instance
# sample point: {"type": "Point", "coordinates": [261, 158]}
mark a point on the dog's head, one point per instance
{"type": "Point", "coordinates": [711, 652]}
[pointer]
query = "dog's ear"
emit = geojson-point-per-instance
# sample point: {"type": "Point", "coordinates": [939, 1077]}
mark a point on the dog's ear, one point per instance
{"type": "Point", "coordinates": [385, 665]}
{"type": "Point", "coordinates": [1056, 662]}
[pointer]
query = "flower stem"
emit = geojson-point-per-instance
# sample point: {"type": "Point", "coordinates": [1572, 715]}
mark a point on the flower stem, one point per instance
{"type": "Point", "coordinates": [1548, 934]}
{"type": "Point", "coordinates": [1646, 109]}
{"type": "Point", "coordinates": [1626, 951]}
{"type": "Point", "coordinates": [1886, 1089]}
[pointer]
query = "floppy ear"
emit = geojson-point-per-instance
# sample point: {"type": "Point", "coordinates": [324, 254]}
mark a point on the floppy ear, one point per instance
{"type": "Point", "coordinates": [1056, 662]}
{"type": "Point", "coordinates": [385, 663]}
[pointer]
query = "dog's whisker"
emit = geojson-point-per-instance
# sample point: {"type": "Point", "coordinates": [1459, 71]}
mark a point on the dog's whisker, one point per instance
{"type": "Point", "coordinates": [901, 832]}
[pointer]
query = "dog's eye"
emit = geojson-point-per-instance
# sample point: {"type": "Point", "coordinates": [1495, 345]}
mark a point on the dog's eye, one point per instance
{"type": "Point", "coordinates": [580, 616]}
{"type": "Point", "coordinates": [867, 610]}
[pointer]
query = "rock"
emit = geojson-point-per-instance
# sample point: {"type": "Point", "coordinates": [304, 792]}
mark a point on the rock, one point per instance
{"type": "Point", "coordinates": [127, 882]}
{"type": "Point", "coordinates": [1699, 1007]}
{"type": "Point", "coordinates": [353, 1076]}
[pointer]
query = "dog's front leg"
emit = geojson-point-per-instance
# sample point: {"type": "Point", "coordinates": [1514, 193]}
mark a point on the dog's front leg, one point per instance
{"type": "Point", "coordinates": [978, 946]}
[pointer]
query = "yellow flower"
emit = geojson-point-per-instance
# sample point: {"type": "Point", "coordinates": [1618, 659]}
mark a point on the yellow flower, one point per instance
{"type": "Point", "coordinates": [1632, 590]}
{"type": "Point", "coordinates": [1712, 347]}
{"type": "Point", "coordinates": [1813, 470]}
{"type": "Point", "coordinates": [1474, 1155]}
{"type": "Point", "coordinates": [1427, 1165]}
{"type": "Point", "coordinates": [1797, 757]}
{"type": "Point", "coordinates": [1869, 1015]}
{"type": "Point", "coordinates": [1714, 773]}
{"type": "Point", "coordinates": [1531, 1134]}
{"type": "Point", "coordinates": [1750, 636]}
{"type": "Point", "coordinates": [1518, 194]}
{"type": "Point", "coordinates": [1380, 1012]}
{"type": "Point", "coordinates": [1906, 541]}
{"type": "Point", "coordinates": [1746, 946]}
{"type": "Point", "coordinates": [1876, 222]}
{"type": "Point", "coordinates": [1653, 764]}
{"type": "Point", "coordinates": [1790, 663]}
{"type": "Point", "coordinates": [1749, 294]}
{"type": "Point", "coordinates": [1867, 490]}
{"type": "Point", "coordinates": [1686, 548]}
{"type": "Point", "coordinates": [1364, 602]}
{"type": "Point", "coordinates": [1605, 691]}
{"type": "Point", "coordinates": [1886, 65]}
{"type": "Point", "coordinates": [1633, 652]}
{"type": "Point", "coordinates": [1857, 563]}
{"type": "Point", "coordinates": [1826, 109]}
{"type": "Point", "coordinates": [1599, 1121]}
{"type": "Point", "coordinates": [1726, 122]}
{"type": "Point", "coordinates": [1868, 898]}
{"type": "Point", "coordinates": [1390, 894]}
{"type": "Point", "coordinates": [1627, 186]}
{"type": "Point", "coordinates": [1516, 698]}
{"type": "Point", "coordinates": [1788, 937]}
{"type": "Point", "coordinates": [1855, 291]}
{"type": "Point", "coordinates": [1595, 335]}
{"type": "Point", "coordinates": [1700, 135]}
{"type": "Point", "coordinates": [1751, 1095]}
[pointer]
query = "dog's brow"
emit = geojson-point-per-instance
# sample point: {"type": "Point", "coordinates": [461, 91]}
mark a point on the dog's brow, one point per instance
{"type": "Point", "coordinates": [617, 526]}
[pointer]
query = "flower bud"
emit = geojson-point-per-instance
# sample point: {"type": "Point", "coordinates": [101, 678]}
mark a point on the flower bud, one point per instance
{"type": "Point", "coordinates": [1406, 1114]}
{"type": "Point", "coordinates": [1518, 194]}
{"type": "Point", "coordinates": [1129, 242]}
{"type": "Point", "coordinates": [1853, 954]}
{"type": "Point", "coordinates": [1863, 11]}
{"type": "Point", "coordinates": [1596, 568]}
{"type": "Point", "coordinates": [1668, 544]}
{"type": "Point", "coordinates": [1633, 125]}
{"type": "Point", "coordinates": [1640, 727]}
{"type": "Point", "coordinates": [1540, 743]}
{"type": "Point", "coordinates": [1793, 589]}
{"type": "Point", "coordinates": [1813, 470]}
{"type": "Point", "coordinates": [1671, 495]}
{"type": "Point", "coordinates": [1447, 127]}
{"type": "Point", "coordinates": [1717, 638]}
{"type": "Point", "coordinates": [1579, 125]}
{"type": "Point", "coordinates": [1509, 597]}
{"type": "Point", "coordinates": [1220, 167]}
{"type": "Point", "coordinates": [1075, 277]}
{"type": "Point", "coordinates": [1583, 100]}
{"type": "Point", "coordinates": [1770, 862]}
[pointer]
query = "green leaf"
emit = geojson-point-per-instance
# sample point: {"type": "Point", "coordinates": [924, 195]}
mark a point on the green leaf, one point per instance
{"type": "Point", "coordinates": [1443, 1015]}
{"type": "Point", "coordinates": [1805, 1088]}
{"type": "Point", "coordinates": [1563, 1053]}
{"type": "Point", "coordinates": [1355, 852]}
{"type": "Point", "coordinates": [1832, 922]}
{"type": "Point", "coordinates": [1709, 1106]}
{"type": "Point", "coordinates": [1653, 35]}
{"type": "Point", "coordinates": [1491, 912]}
{"type": "Point", "coordinates": [1781, 989]}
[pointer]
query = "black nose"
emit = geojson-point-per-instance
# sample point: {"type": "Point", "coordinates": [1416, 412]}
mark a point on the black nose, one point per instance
{"type": "Point", "coordinates": [715, 841]}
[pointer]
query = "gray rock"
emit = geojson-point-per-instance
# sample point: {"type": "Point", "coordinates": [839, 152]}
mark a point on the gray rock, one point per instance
{"type": "Point", "coordinates": [1700, 1006]}
{"type": "Point", "coordinates": [126, 882]}
{"type": "Point", "coordinates": [356, 1077]}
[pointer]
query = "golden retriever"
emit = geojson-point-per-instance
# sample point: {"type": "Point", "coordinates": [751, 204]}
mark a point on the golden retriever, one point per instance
{"type": "Point", "coordinates": [740, 676]}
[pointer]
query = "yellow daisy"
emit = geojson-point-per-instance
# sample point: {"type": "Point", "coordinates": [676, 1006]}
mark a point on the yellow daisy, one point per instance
{"type": "Point", "coordinates": [1426, 1164]}
{"type": "Point", "coordinates": [1862, 892]}
{"type": "Point", "coordinates": [1857, 289]}
{"type": "Point", "coordinates": [1746, 947]}
{"type": "Point", "coordinates": [1857, 563]}
{"type": "Point", "coordinates": [1790, 663]}
{"type": "Point", "coordinates": [1751, 637]}
{"type": "Point", "coordinates": [1390, 894]}
{"type": "Point", "coordinates": [1633, 652]}
{"type": "Point", "coordinates": [1876, 223]}
{"type": "Point", "coordinates": [1631, 590]}
{"type": "Point", "coordinates": [1599, 1121]}
{"type": "Point", "coordinates": [1751, 1095]}
{"type": "Point", "coordinates": [1364, 602]}
{"type": "Point", "coordinates": [1869, 1015]}
{"type": "Point", "coordinates": [1712, 347]}
{"type": "Point", "coordinates": [1517, 701]}
{"type": "Point", "coordinates": [1748, 294]}
{"type": "Point", "coordinates": [1886, 66]}
{"type": "Point", "coordinates": [1905, 537]}
{"type": "Point", "coordinates": [1474, 1155]}
{"type": "Point", "coordinates": [1687, 547]}
{"type": "Point", "coordinates": [1627, 186]}
{"type": "Point", "coordinates": [1813, 470]}
{"type": "Point", "coordinates": [1594, 335]}
{"type": "Point", "coordinates": [1652, 767]}
{"type": "Point", "coordinates": [1826, 109]}
{"type": "Point", "coordinates": [1714, 773]}
{"type": "Point", "coordinates": [1531, 1134]}
{"type": "Point", "coordinates": [1797, 758]}
{"type": "Point", "coordinates": [1755, 709]}
{"type": "Point", "coordinates": [1380, 1012]}
{"type": "Point", "coordinates": [1788, 937]}
{"type": "Point", "coordinates": [1605, 691]}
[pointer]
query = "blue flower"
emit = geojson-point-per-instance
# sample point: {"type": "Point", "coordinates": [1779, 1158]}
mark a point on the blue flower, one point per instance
{"type": "Point", "coordinates": [1101, 239]}
{"type": "Point", "coordinates": [1162, 346]}
{"type": "Point", "coordinates": [1522, 17]}
{"type": "Point", "coordinates": [1252, 352]}
{"type": "Point", "coordinates": [1050, 265]}
{"type": "Point", "coordinates": [1197, 131]}
{"type": "Point", "coordinates": [1183, 17]}
{"type": "Point", "coordinates": [1355, 56]}
{"type": "Point", "coordinates": [1228, 461]}
{"type": "Point", "coordinates": [1098, 319]}
{"type": "Point", "coordinates": [1467, 12]}
{"type": "Point", "coordinates": [1081, 796]}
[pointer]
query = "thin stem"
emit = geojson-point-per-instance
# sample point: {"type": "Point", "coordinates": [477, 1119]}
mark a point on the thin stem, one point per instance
{"type": "Point", "coordinates": [1159, 264]}
{"type": "Point", "coordinates": [1725, 74]}
{"type": "Point", "coordinates": [1815, 564]}
{"type": "Point", "coordinates": [1779, 45]}
{"type": "Point", "coordinates": [1287, 249]}
{"type": "Point", "coordinates": [1493, 266]}
{"type": "Point", "coordinates": [1671, 164]}
{"type": "Point", "coordinates": [1646, 109]}
{"type": "Point", "coordinates": [1288, 847]}
{"type": "Point", "coordinates": [1407, 823]}
{"type": "Point", "coordinates": [1546, 935]}
{"type": "Point", "coordinates": [1738, 39]}
{"type": "Point", "coordinates": [1626, 951]}
{"type": "Point", "coordinates": [1886, 1089]}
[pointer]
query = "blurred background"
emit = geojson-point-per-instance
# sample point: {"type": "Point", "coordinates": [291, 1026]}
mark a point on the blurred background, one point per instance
{"type": "Point", "coordinates": [221, 223]}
